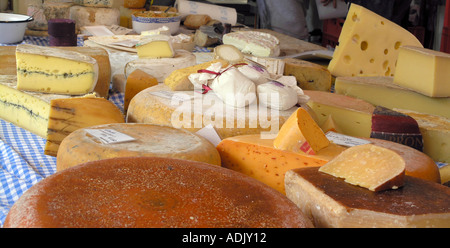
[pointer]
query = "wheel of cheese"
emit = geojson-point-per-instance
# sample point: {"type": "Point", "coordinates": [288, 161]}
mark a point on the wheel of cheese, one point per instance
{"type": "Point", "coordinates": [152, 192]}
{"type": "Point", "coordinates": [85, 145]}
{"type": "Point", "coordinates": [193, 111]}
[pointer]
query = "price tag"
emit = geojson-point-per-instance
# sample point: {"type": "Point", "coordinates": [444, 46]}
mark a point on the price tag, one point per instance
{"type": "Point", "coordinates": [109, 136]}
{"type": "Point", "coordinates": [345, 140]}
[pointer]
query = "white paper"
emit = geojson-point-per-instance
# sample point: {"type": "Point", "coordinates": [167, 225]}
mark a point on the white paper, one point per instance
{"type": "Point", "coordinates": [345, 140]}
{"type": "Point", "coordinates": [110, 136]}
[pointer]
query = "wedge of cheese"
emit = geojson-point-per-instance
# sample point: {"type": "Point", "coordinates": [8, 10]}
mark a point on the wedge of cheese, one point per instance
{"type": "Point", "coordinates": [423, 70]}
{"type": "Point", "coordinates": [136, 82]}
{"type": "Point", "coordinates": [155, 46]}
{"type": "Point", "coordinates": [310, 76]}
{"type": "Point", "coordinates": [331, 202]}
{"type": "Point", "coordinates": [369, 44]}
{"type": "Point", "coordinates": [52, 70]}
{"type": "Point", "coordinates": [369, 166]}
{"type": "Point", "coordinates": [382, 91]}
{"type": "Point", "coordinates": [107, 141]}
{"type": "Point", "coordinates": [256, 43]}
{"type": "Point", "coordinates": [53, 116]}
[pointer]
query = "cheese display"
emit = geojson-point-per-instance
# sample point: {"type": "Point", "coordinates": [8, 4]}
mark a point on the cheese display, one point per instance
{"type": "Point", "coordinates": [436, 134]}
{"type": "Point", "coordinates": [116, 193]}
{"type": "Point", "coordinates": [254, 42]}
{"type": "Point", "coordinates": [162, 68]}
{"type": "Point", "coordinates": [257, 158]}
{"type": "Point", "coordinates": [136, 82]}
{"type": "Point", "coordinates": [423, 70]}
{"type": "Point", "coordinates": [178, 80]}
{"type": "Point", "coordinates": [359, 118]}
{"type": "Point", "coordinates": [8, 64]}
{"type": "Point", "coordinates": [93, 16]}
{"type": "Point", "coordinates": [68, 115]}
{"type": "Point", "coordinates": [300, 133]}
{"type": "Point", "coordinates": [193, 111]}
{"type": "Point", "coordinates": [310, 76]}
{"type": "Point", "coordinates": [95, 3]}
{"type": "Point", "coordinates": [330, 202]}
{"type": "Point", "coordinates": [155, 46]}
{"type": "Point", "coordinates": [51, 70]}
{"type": "Point", "coordinates": [382, 91]}
{"type": "Point", "coordinates": [368, 166]}
{"type": "Point", "coordinates": [369, 44]}
{"type": "Point", "coordinates": [108, 141]}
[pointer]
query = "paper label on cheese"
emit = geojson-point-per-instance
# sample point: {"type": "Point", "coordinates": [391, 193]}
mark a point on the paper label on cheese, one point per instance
{"type": "Point", "coordinates": [110, 136]}
{"type": "Point", "coordinates": [172, 95]}
{"type": "Point", "coordinates": [345, 140]}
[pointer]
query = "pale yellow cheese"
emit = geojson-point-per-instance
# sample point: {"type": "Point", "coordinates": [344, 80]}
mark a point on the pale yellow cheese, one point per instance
{"type": "Point", "coordinates": [146, 140]}
{"type": "Point", "coordinates": [369, 44]}
{"type": "Point", "coordinates": [155, 46]}
{"type": "Point", "coordinates": [423, 70]}
{"type": "Point", "coordinates": [381, 91]}
{"type": "Point", "coordinates": [310, 76]}
{"type": "Point", "coordinates": [369, 166]}
{"type": "Point", "coordinates": [53, 70]}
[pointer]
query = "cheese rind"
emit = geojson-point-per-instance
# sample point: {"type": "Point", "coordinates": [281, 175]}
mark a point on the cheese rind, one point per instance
{"type": "Point", "coordinates": [148, 140]}
{"type": "Point", "coordinates": [381, 91]}
{"type": "Point", "coordinates": [369, 44]}
{"type": "Point", "coordinates": [423, 70]}
{"type": "Point", "coordinates": [369, 166]}
{"type": "Point", "coordinates": [136, 82]}
{"type": "Point", "coordinates": [92, 16]}
{"type": "Point", "coordinates": [253, 42]}
{"type": "Point", "coordinates": [52, 70]}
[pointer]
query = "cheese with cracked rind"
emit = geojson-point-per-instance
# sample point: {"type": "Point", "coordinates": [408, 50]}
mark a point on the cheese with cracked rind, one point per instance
{"type": "Point", "coordinates": [53, 70]}
{"type": "Point", "coordinates": [148, 140]}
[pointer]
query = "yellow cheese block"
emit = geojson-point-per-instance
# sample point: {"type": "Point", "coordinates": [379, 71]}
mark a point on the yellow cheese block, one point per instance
{"type": "Point", "coordinates": [68, 115]}
{"type": "Point", "coordinates": [369, 166]}
{"type": "Point", "coordinates": [155, 46]}
{"type": "Point", "coordinates": [145, 140]}
{"type": "Point", "coordinates": [369, 44]}
{"type": "Point", "coordinates": [310, 76]}
{"type": "Point", "coordinates": [445, 174]}
{"type": "Point", "coordinates": [193, 111]}
{"type": "Point", "coordinates": [382, 91]}
{"type": "Point", "coordinates": [53, 70]}
{"type": "Point", "coordinates": [178, 80]}
{"type": "Point", "coordinates": [136, 82]}
{"type": "Point", "coordinates": [300, 133]}
{"type": "Point", "coordinates": [423, 70]}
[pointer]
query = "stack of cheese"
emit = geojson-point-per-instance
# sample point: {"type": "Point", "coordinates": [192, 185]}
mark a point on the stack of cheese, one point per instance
{"type": "Point", "coordinates": [94, 12]}
{"type": "Point", "coordinates": [53, 95]}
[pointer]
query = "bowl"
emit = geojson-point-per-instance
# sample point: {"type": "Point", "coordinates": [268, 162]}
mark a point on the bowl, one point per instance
{"type": "Point", "coordinates": [12, 27]}
{"type": "Point", "coordinates": [150, 20]}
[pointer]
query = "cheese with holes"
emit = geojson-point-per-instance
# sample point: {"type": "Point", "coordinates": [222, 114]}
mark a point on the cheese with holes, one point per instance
{"type": "Point", "coordinates": [155, 46]}
{"type": "Point", "coordinates": [52, 70]}
{"type": "Point", "coordinates": [53, 116]}
{"type": "Point", "coordinates": [92, 16]}
{"type": "Point", "coordinates": [178, 80]}
{"type": "Point", "coordinates": [359, 118]}
{"type": "Point", "coordinates": [330, 202]}
{"type": "Point", "coordinates": [193, 111]}
{"type": "Point", "coordinates": [255, 43]}
{"type": "Point", "coordinates": [423, 70]}
{"type": "Point", "coordinates": [8, 64]}
{"type": "Point", "coordinates": [300, 133]}
{"type": "Point", "coordinates": [144, 140]}
{"type": "Point", "coordinates": [382, 91]}
{"type": "Point", "coordinates": [95, 3]}
{"type": "Point", "coordinates": [436, 134]}
{"type": "Point", "coordinates": [136, 82]}
{"type": "Point", "coordinates": [369, 44]}
{"type": "Point", "coordinates": [368, 166]}
{"type": "Point", "coordinates": [310, 76]}
{"type": "Point", "coordinates": [162, 68]}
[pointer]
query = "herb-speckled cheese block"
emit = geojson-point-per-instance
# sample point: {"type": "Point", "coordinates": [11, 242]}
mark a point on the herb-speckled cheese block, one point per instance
{"type": "Point", "coordinates": [146, 140]}
{"type": "Point", "coordinates": [53, 70]}
{"type": "Point", "coordinates": [143, 192]}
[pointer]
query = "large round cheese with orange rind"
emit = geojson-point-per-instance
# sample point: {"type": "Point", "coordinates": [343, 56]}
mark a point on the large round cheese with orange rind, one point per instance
{"type": "Point", "coordinates": [152, 192]}
{"type": "Point", "coordinates": [86, 145]}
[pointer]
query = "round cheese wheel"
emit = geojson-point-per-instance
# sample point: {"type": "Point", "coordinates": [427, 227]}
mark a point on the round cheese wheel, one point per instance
{"type": "Point", "coordinates": [85, 145]}
{"type": "Point", "coordinates": [160, 68]}
{"type": "Point", "coordinates": [152, 192]}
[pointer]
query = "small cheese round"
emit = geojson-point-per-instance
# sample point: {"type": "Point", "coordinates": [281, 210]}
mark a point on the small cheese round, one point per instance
{"type": "Point", "coordinates": [152, 192]}
{"type": "Point", "coordinates": [149, 140]}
